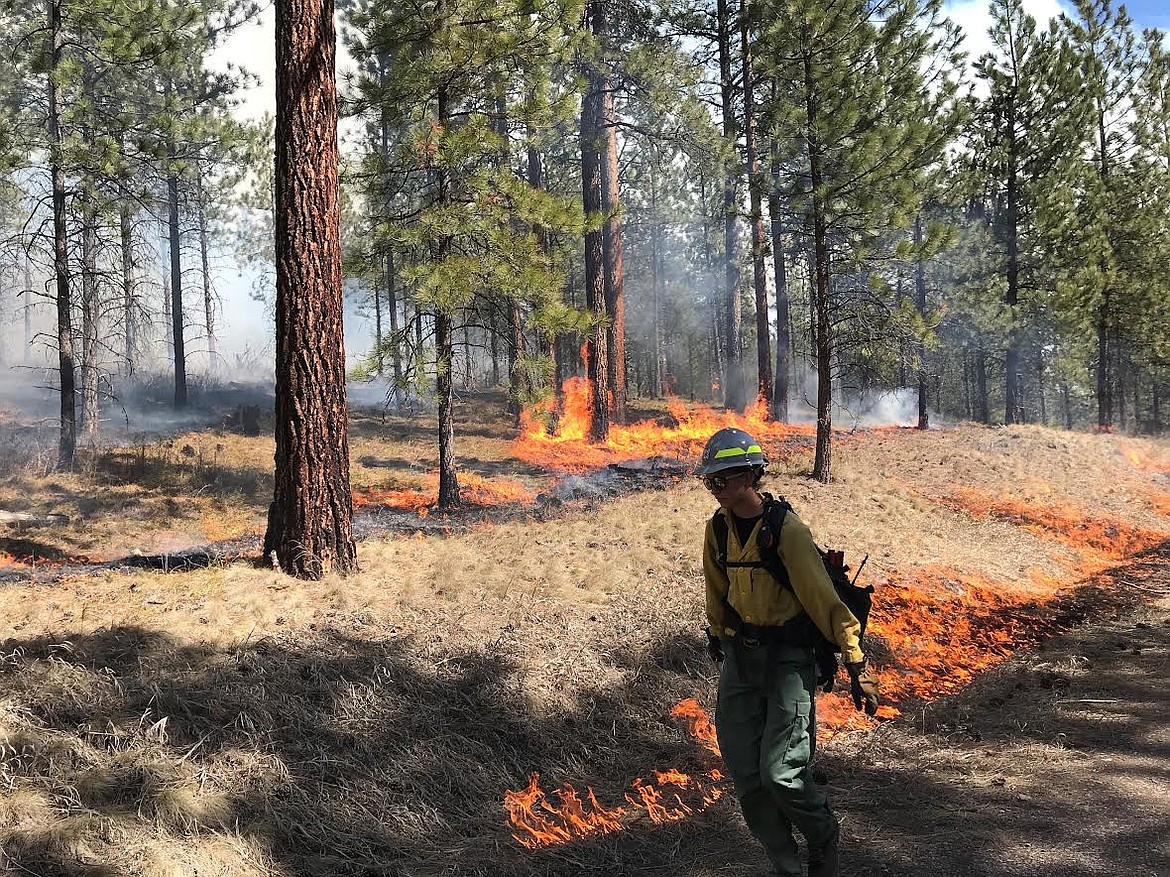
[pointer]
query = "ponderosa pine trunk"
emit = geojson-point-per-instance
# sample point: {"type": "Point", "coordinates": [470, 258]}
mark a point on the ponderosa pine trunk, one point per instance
{"type": "Point", "coordinates": [823, 458]}
{"type": "Point", "coordinates": [733, 380]}
{"type": "Point", "coordinates": [129, 321]}
{"type": "Point", "coordinates": [920, 345]}
{"type": "Point", "coordinates": [1011, 410]}
{"type": "Point", "coordinates": [783, 330]}
{"type": "Point", "coordinates": [310, 520]}
{"type": "Point", "coordinates": [67, 441]}
{"type": "Point", "coordinates": [174, 236]}
{"type": "Point", "coordinates": [764, 385]}
{"type": "Point", "coordinates": [445, 341]}
{"type": "Point", "coordinates": [592, 145]}
{"type": "Point", "coordinates": [205, 266]}
{"type": "Point", "coordinates": [615, 300]}
{"type": "Point", "coordinates": [89, 325]}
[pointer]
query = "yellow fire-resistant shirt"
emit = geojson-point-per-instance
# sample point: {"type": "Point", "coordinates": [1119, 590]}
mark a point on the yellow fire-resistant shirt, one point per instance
{"type": "Point", "coordinates": [761, 600]}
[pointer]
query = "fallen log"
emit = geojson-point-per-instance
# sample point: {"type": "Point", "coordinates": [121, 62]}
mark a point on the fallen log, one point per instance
{"type": "Point", "coordinates": [7, 517]}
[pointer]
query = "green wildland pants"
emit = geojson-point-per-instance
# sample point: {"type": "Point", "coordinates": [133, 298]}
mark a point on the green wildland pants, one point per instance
{"type": "Point", "coordinates": [766, 725]}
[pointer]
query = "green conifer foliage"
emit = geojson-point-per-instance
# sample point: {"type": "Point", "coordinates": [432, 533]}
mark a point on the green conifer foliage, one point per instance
{"type": "Point", "coordinates": [467, 223]}
{"type": "Point", "coordinates": [864, 88]}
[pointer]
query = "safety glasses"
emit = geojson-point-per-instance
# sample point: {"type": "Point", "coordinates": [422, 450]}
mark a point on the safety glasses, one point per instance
{"type": "Point", "coordinates": [719, 482]}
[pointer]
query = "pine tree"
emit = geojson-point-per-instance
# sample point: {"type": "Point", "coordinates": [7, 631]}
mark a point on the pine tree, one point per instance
{"type": "Point", "coordinates": [865, 88]}
{"type": "Point", "coordinates": [467, 230]}
{"type": "Point", "coordinates": [1103, 41]}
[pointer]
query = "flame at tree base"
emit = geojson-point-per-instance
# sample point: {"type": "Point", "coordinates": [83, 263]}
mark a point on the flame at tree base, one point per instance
{"type": "Point", "coordinates": [567, 447]}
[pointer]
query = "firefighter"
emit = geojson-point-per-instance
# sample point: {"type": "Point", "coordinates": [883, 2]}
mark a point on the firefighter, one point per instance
{"type": "Point", "coordinates": [765, 719]}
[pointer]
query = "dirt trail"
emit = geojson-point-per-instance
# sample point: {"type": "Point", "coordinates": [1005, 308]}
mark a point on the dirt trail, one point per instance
{"type": "Point", "coordinates": [1056, 763]}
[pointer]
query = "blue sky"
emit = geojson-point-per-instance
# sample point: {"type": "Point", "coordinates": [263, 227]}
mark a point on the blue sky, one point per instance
{"type": "Point", "coordinates": [1150, 13]}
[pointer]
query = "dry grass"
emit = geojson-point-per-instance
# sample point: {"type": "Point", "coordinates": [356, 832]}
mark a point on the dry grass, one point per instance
{"type": "Point", "coordinates": [231, 721]}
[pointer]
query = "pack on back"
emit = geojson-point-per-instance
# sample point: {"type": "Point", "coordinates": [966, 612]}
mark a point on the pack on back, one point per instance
{"type": "Point", "coordinates": [857, 600]}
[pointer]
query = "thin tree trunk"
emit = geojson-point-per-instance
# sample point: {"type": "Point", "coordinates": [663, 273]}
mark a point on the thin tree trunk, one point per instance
{"type": "Point", "coordinates": [392, 308]}
{"type": "Point", "coordinates": [1105, 350]}
{"type": "Point", "coordinates": [657, 357]}
{"type": "Point", "coordinates": [129, 320]}
{"type": "Point", "coordinates": [205, 264]}
{"type": "Point", "coordinates": [1012, 412]}
{"type": "Point", "coordinates": [517, 380]}
{"type": "Point", "coordinates": [920, 345]}
{"type": "Point", "coordinates": [379, 338]}
{"type": "Point", "coordinates": [718, 362]}
{"type": "Point", "coordinates": [310, 521]}
{"type": "Point", "coordinates": [494, 351]}
{"type": "Point", "coordinates": [168, 325]}
{"type": "Point", "coordinates": [444, 343]}
{"type": "Point", "coordinates": [28, 303]}
{"type": "Point", "coordinates": [1104, 365]}
{"type": "Point", "coordinates": [176, 287]}
{"type": "Point", "coordinates": [765, 390]}
{"type": "Point", "coordinates": [391, 278]}
{"type": "Point", "coordinates": [982, 402]}
{"type": "Point", "coordinates": [592, 137]}
{"type": "Point", "coordinates": [733, 384]}
{"type": "Point", "coordinates": [449, 495]}
{"type": "Point", "coordinates": [89, 325]}
{"type": "Point", "coordinates": [823, 459]}
{"type": "Point", "coordinates": [615, 301]}
{"type": "Point", "coordinates": [67, 442]}
{"type": "Point", "coordinates": [1040, 367]}
{"type": "Point", "coordinates": [967, 408]}
{"type": "Point", "coordinates": [783, 329]}
{"type": "Point", "coordinates": [1124, 368]}
{"type": "Point", "coordinates": [536, 181]}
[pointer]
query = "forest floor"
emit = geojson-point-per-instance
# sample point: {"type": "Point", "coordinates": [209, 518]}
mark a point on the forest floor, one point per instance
{"type": "Point", "coordinates": [228, 720]}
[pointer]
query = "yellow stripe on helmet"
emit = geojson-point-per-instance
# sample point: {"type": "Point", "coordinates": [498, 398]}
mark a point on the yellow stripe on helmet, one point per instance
{"type": "Point", "coordinates": [738, 452]}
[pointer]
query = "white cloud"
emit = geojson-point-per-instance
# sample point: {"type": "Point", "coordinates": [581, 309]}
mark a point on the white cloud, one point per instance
{"type": "Point", "coordinates": [974, 17]}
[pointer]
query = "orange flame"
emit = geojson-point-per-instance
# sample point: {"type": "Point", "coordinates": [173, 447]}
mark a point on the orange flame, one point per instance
{"type": "Point", "coordinates": [1144, 461]}
{"type": "Point", "coordinates": [475, 489]}
{"type": "Point", "coordinates": [699, 724]}
{"type": "Point", "coordinates": [1108, 538]}
{"type": "Point", "coordinates": [942, 628]}
{"type": "Point", "coordinates": [568, 449]}
{"type": "Point", "coordinates": [537, 822]}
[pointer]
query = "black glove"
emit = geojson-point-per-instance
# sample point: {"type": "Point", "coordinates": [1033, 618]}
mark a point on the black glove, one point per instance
{"type": "Point", "coordinates": [714, 647]}
{"type": "Point", "coordinates": [863, 685]}
{"type": "Point", "coordinates": [826, 669]}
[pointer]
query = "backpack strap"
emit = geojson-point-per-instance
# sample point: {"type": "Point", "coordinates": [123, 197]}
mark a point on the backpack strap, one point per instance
{"type": "Point", "coordinates": [768, 541]}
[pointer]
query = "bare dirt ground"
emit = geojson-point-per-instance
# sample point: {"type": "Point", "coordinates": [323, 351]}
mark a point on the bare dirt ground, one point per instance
{"type": "Point", "coordinates": [229, 721]}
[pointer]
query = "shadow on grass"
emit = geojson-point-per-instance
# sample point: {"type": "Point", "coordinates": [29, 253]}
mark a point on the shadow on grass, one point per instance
{"type": "Point", "coordinates": [337, 753]}
{"type": "Point", "coordinates": [172, 471]}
